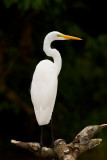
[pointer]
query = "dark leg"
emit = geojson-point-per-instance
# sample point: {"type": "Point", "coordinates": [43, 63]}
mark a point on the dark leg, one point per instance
{"type": "Point", "coordinates": [41, 137]}
{"type": "Point", "coordinates": [52, 136]}
{"type": "Point", "coordinates": [52, 145]}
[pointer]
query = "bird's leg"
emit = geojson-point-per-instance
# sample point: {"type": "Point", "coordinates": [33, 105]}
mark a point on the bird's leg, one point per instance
{"type": "Point", "coordinates": [52, 136]}
{"type": "Point", "coordinates": [41, 137]}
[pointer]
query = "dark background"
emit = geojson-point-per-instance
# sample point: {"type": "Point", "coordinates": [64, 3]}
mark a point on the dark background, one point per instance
{"type": "Point", "coordinates": [82, 90]}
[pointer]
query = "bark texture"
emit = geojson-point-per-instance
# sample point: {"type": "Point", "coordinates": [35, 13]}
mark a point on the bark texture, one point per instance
{"type": "Point", "coordinates": [63, 151]}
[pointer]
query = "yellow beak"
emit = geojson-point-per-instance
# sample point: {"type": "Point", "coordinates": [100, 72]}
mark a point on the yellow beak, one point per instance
{"type": "Point", "coordinates": [69, 37]}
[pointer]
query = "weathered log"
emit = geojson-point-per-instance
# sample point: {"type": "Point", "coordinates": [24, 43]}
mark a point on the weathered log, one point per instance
{"type": "Point", "coordinates": [62, 151]}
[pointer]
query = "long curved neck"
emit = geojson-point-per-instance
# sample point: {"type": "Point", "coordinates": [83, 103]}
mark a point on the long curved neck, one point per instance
{"type": "Point", "coordinates": [53, 53]}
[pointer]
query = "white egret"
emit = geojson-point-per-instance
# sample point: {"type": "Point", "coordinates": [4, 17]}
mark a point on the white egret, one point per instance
{"type": "Point", "coordinates": [45, 79]}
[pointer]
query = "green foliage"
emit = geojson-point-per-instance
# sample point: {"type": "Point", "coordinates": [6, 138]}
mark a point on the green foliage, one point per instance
{"type": "Point", "coordinates": [8, 3]}
{"type": "Point", "coordinates": [27, 4]}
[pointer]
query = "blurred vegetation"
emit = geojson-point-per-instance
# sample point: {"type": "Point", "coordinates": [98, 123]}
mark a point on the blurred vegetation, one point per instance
{"type": "Point", "coordinates": [82, 90]}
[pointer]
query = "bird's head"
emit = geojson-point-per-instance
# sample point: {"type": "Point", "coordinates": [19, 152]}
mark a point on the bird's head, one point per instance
{"type": "Point", "coordinates": [55, 35]}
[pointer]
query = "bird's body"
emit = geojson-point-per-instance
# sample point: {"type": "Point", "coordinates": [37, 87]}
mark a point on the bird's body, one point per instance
{"type": "Point", "coordinates": [44, 90]}
{"type": "Point", "coordinates": [45, 79]}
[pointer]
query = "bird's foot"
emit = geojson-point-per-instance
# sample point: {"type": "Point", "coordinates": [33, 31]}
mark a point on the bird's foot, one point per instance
{"type": "Point", "coordinates": [52, 145]}
{"type": "Point", "coordinates": [41, 146]}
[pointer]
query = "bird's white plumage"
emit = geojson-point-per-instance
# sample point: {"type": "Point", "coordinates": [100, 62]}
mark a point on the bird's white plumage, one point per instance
{"type": "Point", "coordinates": [43, 91]}
{"type": "Point", "coordinates": [44, 82]}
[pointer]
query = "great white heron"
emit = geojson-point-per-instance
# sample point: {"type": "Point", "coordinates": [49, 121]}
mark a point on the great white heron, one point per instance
{"type": "Point", "coordinates": [45, 80]}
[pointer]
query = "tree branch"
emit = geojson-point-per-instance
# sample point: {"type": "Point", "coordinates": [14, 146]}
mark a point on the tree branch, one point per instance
{"type": "Point", "coordinates": [62, 151]}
